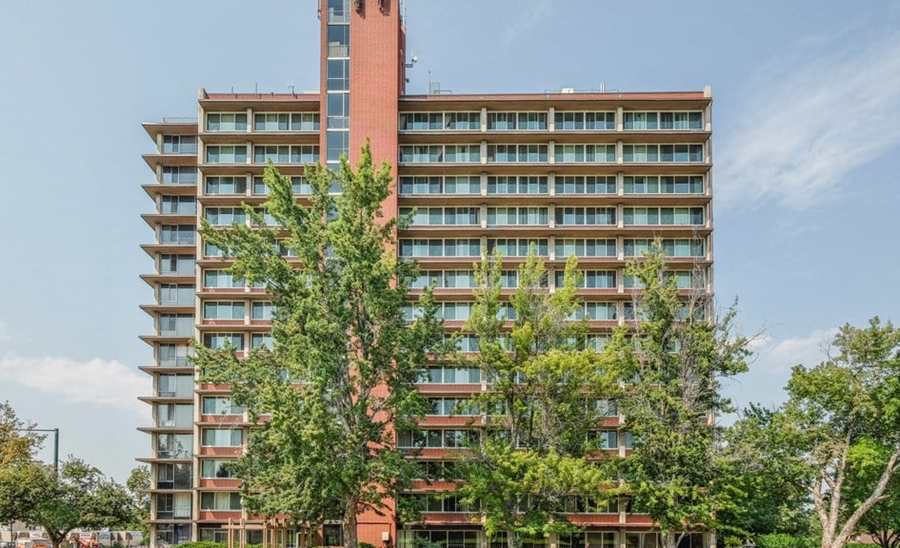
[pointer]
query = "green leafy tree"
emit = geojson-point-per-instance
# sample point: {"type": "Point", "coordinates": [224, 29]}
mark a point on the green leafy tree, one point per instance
{"type": "Point", "coordinates": [79, 496]}
{"type": "Point", "coordinates": [763, 492]}
{"type": "Point", "coordinates": [17, 444]}
{"type": "Point", "coordinates": [680, 354]}
{"type": "Point", "coordinates": [841, 424]}
{"type": "Point", "coordinates": [342, 374]}
{"type": "Point", "coordinates": [530, 457]}
{"type": "Point", "coordinates": [882, 521]}
{"type": "Point", "coordinates": [138, 485]}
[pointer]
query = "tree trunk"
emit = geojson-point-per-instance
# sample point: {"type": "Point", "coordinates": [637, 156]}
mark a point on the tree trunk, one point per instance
{"type": "Point", "coordinates": [669, 540]}
{"type": "Point", "coordinates": [512, 539]}
{"type": "Point", "coordinates": [350, 525]}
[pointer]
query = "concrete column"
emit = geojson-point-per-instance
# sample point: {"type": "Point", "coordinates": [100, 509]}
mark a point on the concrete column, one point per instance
{"type": "Point", "coordinates": [483, 152]}
{"type": "Point", "coordinates": [484, 183]}
{"type": "Point", "coordinates": [250, 123]}
{"type": "Point", "coordinates": [551, 215]}
{"type": "Point", "coordinates": [551, 120]}
{"type": "Point", "coordinates": [620, 119]}
{"type": "Point", "coordinates": [551, 152]}
{"type": "Point", "coordinates": [483, 213]}
{"type": "Point", "coordinates": [249, 152]}
{"type": "Point", "coordinates": [620, 183]}
{"type": "Point", "coordinates": [620, 152]}
{"type": "Point", "coordinates": [551, 184]}
{"type": "Point", "coordinates": [483, 119]}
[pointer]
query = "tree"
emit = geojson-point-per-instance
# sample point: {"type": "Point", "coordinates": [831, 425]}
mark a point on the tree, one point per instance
{"type": "Point", "coordinates": [16, 443]}
{"type": "Point", "coordinates": [763, 484]}
{"type": "Point", "coordinates": [531, 455]}
{"type": "Point", "coordinates": [342, 374]}
{"type": "Point", "coordinates": [138, 485]}
{"type": "Point", "coordinates": [841, 425]}
{"type": "Point", "coordinates": [79, 496]}
{"type": "Point", "coordinates": [882, 521]}
{"type": "Point", "coordinates": [673, 365]}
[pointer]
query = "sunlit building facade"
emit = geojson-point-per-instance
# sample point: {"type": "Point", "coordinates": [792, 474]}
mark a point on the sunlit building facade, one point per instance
{"type": "Point", "coordinates": [594, 174]}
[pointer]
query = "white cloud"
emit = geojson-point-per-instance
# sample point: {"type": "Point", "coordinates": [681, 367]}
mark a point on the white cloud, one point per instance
{"type": "Point", "coordinates": [527, 20]}
{"type": "Point", "coordinates": [96, 381]}
{"type": "Point", "coordinates": [803, 133]}
{"type": "Point", "coordinates": [770, 371]}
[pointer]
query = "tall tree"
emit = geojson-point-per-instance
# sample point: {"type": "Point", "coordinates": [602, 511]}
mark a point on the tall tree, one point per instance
{"type": "Point", "coordinates": [342, 374]}
{"type": "Point", "coordinates": [79, 496]}
{"type": "Point", "coordinates": [17, 444]}
{"type": "Point", "coordinates": [841, 423]}
{"type": "Point", "coordinates": [882, 521]}
{"type": "Point", "coordinates": [138, 485]}
{"type": "Point", "coordinates": [680, 354]}
{"type": "Point", "coordinates": [531, 454]}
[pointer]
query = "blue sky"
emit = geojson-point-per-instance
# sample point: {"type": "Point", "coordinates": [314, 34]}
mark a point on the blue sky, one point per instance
{"type": "Point", "coordinates": [806, 122]}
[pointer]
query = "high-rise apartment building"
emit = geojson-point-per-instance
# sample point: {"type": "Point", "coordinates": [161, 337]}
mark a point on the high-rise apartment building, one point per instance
{"type": "Point", "coordinates": [598, 175]}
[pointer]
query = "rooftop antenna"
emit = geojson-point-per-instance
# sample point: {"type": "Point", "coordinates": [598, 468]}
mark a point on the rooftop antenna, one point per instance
{"type": "Point", "coordinates": [290, 86]}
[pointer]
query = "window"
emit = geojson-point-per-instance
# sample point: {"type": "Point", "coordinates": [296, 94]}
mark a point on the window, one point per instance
{"type": "Point", "coordinates": [503, 216]}
{"type": "Point", "coordinates": [671, 216]}
{"type": "Point", "coordinates": [220, 501]}
{"type": "Point", "coordinates": [606, 439]}
{"type": "Point", "coordinates": [591, 279]}
{"type": "Point", "coordinates": [174, 415]}
{"type": "Point", "coordinates": [421, 121]}
{"type": "Point", "coordinates": [522, 121]}
{"type": "Point", "coordinates": [606, 408]}
{"type": "Point", "coordinates": [415, 538]}
{"type": "Point", "coordinates": [182, 265]}
{"type": "Point", "coordinates": [589, 247]}
{"type": "Point", "coordinates": [446, 311]}
{"type": "Point", "coordinates": [568, 121]}
{"type": "Point", "coordinates": [447, 407]}
{"type": "Point", "coordinates": [583, 216]}
{"type": "Point", "coordinates": [440, 185]}
{"type": "Point", "coordinates": [226, 121]}
{"type": "Point", "coordinates": [595, 311]}
{"type": "Point", "coordinates": [179, 144]}
{"type": "Point", "coordinates": [262, 310]}
{"type": "Point", "coordinates": [461, 121]}
{"type": "Point", "coordinates": [221, 279]}
{"type": "Point", "coordinates": [178, 205]}
{"type": "Point", "coordinates": [517, 185]}
{"type": "Point", "coordinates": [691, 120]}
{"type": "Point", "coordinates": [225, 216]}
{"type": "Point", "coordinates": [581, 184]}
{"type": "Point", "coordinates": [662, 153]}
{"type": "Point", "coordinates": [425, 216]}
{"type": "Point", "coordinates": [458, 279]}
{"type": "Point", "coordinates": [421, 154]}
{"type": "Point", "coordinates": [177, 234]}
{"type": "Point", "coordinates": [436, 438]}
{"type": "Point", "coordinates": [214, 469]}
{"type": "Point", "coordinates": [450, 375]}
{"type": "Point", "coordinates": [176, 294]}
{"type": "Point", "coordinates": [516, 153]}
{"type": "Point", "coordinates": [219, 341]}
{"type": "Point", "coordinates": [226, 185]}
{"type": "Point", "coordinates": [460, 247]}
{"type": "Point", "coordinates": [223, 310]}
{"type": "Point", "coordinates": [285, 154]}
{"type": "Point", "coordinates": [174, 355]}
{"type": "Point", "coordinates": [591, 539]}
{"type": "Point", "coordinates": [262, 341]}
{"type": "Point", "coordinates": [176, 325]}
{"type": "Point", "coordinates": [173, 476]}
{"type": "Point", "coordinates": [175, 386]}
{"type": "Point", "coordinates": [305, 121]}
{"type": "Point", "coordinates": [651, 184]}
{"type": "Point", "coordinates": [271, 121]}
{"type": "Point", "coordinates": [585, 153]}
{"type": "Point", "coordinates": [462, 154]}
{"type": "Point", "coordinates": [220, 406]}
{"type": "Point", "coordinates": [174, 446]}
{"type": "Point", "coordinates": [671, 247]}
{"type": "Point", "coordinates": [299, 185]}
{"type": "Point", "coordinates": [220, 154]}
{"type": "Point", "coordinates": [517, 247]}
{"type": "Point", "coordinates": [215, 437]}
{"type": "Point", "coordinates": [179, 175]}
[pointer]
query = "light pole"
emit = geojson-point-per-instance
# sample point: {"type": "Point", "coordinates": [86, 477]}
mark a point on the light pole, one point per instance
{"type": "Point", "coordinates": [55, 442]}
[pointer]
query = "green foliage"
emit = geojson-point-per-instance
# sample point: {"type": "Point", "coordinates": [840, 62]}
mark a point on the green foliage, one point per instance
{"type": "Point", "coordinates": [782, 540]}
{"type": "Point", "coordinates": [203, 544]}
{"type": "Point", "coordinates": [138, 484]}
{"type": "Point", "coordinates": [342, 374]}
{"type": "Point", "coordinates": [534, 440]}
{"type": "Point", "coordinates": [840, 432]}
{"type": "Point", "coordinates": [674, 364]}
{"type": "Point", "coordinates": [16, 446]}
{"type": "Point", "coordinates": [80, 496]}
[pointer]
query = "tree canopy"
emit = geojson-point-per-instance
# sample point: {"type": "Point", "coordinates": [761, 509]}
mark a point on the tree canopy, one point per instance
{"type": "Point", "coordinates": [341, 375]}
